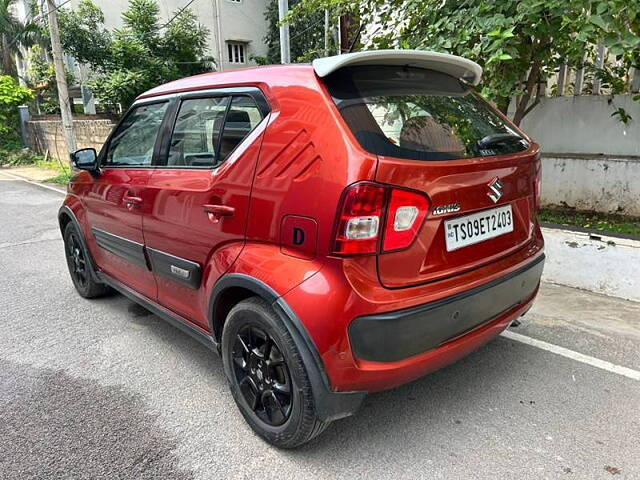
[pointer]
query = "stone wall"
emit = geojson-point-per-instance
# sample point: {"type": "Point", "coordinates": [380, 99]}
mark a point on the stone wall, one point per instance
{"type": "Point", "coordinates": [46, 135]}
{"type": "Point", "coordinates": [604, 183]}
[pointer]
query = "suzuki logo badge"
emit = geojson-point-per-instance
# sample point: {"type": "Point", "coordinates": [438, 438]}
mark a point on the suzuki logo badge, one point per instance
{"type": "Point", "coordinates": [495, 190]}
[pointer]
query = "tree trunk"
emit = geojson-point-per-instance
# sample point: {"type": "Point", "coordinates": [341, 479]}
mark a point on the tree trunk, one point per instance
{"type": "Point", "coordinates": [8, 62]}
{"type": "Point", "coordinates": [522, 105]}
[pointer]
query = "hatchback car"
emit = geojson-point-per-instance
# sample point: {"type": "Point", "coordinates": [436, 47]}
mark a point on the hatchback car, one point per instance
{"type": "Point", "coordinates": [331, 229]}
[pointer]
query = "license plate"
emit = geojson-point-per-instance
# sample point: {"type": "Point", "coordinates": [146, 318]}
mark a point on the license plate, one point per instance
{"type": "Point", "coordinates": [469, 229]}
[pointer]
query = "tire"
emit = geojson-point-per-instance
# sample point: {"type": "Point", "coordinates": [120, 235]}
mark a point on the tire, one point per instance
{"type": "Point", "coordinates": [258, 381]}
{"type": "Point", "coordinates": [79, 265]}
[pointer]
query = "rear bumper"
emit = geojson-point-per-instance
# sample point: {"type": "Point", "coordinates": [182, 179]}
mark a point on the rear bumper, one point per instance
{"type": "Point", "coordinates": [345, 292]}
{"type": "Point", "coordinates": [398, 335]}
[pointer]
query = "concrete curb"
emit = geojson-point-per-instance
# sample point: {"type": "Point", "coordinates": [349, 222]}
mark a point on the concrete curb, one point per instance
{"type": "Point", "coordinates": [597, 263]}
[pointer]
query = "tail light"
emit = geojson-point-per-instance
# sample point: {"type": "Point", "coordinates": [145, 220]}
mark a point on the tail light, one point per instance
{"type": "Point", "coordinates": [368, 207]}
{"type": "Point", "coordinates": [359, 219]}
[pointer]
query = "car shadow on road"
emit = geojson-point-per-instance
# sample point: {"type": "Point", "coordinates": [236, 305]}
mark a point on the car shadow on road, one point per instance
{"type": "Point", "coordinates": [202, 361]}
{"type": "Point", "coordinates": [445, 400]}
{"type": "Point", "coordinates": [449, 404]}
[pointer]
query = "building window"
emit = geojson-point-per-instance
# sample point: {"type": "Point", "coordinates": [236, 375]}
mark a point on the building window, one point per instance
{"type": "Point", "coordinates": [236, 52]}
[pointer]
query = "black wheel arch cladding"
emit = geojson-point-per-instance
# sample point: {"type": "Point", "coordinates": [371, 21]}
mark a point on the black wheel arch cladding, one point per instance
{"type": "Point", "coordinates": [66, 216]}
{"type": "Point", "coordinates": [330, 405]}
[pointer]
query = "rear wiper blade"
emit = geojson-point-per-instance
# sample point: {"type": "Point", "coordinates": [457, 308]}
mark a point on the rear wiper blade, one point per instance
{"type": "Point", "coordinates": [499, 138]}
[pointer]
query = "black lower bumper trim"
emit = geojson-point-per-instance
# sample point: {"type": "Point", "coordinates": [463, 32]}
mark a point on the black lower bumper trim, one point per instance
{"type": "Point", "coordinates": [401, 334]}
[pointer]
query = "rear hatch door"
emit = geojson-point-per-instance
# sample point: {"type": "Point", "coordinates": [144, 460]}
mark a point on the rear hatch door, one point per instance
{"type": "Point", "coordinates": [433, 134]}
{"type": "Point", "coordinates": [459, 193]}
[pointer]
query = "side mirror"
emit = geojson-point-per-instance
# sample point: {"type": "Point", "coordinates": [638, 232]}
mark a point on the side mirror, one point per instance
{"type": "Point", "coordinates": [85, 159]}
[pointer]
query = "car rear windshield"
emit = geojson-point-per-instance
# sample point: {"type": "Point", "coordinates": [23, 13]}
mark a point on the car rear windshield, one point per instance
{"type": "Point", "coordinates": [419, 114]}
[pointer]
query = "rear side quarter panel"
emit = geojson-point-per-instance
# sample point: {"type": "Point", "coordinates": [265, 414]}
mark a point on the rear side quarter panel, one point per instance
{"type": "Point", "coordinates": [305, 163]}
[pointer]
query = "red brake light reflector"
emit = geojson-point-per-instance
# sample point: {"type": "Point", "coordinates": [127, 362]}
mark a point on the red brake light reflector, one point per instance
{"type": "Point", "coordinates": [405, 215]}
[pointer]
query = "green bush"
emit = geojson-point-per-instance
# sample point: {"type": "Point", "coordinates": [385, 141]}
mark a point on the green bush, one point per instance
{"type": "Point", "coordinates": [17, 157]}
{"type": "Point", "coordinates": [11, 95]}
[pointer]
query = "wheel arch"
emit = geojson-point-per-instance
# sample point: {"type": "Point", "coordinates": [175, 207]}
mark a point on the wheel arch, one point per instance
{"type": "Point", "coordinates": [66, 216]}
{"type": "Point", "coordinates": [235, 287]}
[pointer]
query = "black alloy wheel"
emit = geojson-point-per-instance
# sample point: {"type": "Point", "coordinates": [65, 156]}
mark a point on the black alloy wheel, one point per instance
{"type": "Point", "coordinates": [80, 266]}
{"type": "Point", "coordinates": [267, 375]}
{"type": "Point", "coordinates": [262, 375]}
{"type": "Point", "coordinates": [77, 261]}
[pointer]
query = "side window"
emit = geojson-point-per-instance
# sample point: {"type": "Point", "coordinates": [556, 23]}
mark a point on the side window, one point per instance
{"type": "Point", "coordinates": [133, 141]}
{"type": "Point", "coordinates": [196, 132]}
{"type": "Point", "coordinates": [243, 116]}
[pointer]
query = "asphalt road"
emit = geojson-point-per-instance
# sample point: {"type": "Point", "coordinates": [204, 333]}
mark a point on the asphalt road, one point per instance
{"type": "Point", "coordinates": [104, 389]}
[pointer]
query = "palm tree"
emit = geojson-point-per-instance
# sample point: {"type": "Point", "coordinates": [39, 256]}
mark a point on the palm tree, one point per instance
{"type": "Point", "coordinates": [14, 34]}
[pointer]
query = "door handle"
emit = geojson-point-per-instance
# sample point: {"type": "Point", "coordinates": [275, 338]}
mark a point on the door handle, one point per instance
{"type": "Point", "coordinates": [131, 201]}
{"type": "Point", "coordinates": [216, 212]}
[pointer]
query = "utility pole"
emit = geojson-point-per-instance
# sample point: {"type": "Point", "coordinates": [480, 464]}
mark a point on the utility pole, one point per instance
{"type": "Point", "coordinates": [61, 80]}
{"type": "Point", "coordinates": [326, 32]}
{"type": "Point", "coordinates": [285, 52]}
{"type": "Point", "coordinates": [221, 52]}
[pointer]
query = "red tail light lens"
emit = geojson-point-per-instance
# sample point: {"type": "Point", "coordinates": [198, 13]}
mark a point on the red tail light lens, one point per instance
{"type": "Point", "coordinates": [405, 215]}
{"type": "Point", "coordinates": [366, 207]}
{"type": "Point", "coordinates": [359, 219]}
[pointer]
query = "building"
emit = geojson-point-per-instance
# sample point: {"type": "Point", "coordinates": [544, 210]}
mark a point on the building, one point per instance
{"type": "Point", "coordinates": [237, 27]}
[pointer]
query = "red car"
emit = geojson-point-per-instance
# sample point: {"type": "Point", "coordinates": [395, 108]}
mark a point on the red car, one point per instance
{"type": "Point", "coordinates": [331, 229]}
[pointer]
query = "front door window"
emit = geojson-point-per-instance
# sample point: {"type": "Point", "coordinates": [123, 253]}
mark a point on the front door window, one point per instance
{"type": "Point", "coordinates": [133, 142]}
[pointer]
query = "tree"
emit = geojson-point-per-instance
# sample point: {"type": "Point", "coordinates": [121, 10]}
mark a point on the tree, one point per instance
{"type": "Point", "coordinates": [83, 35]}
{"type": "Point", "coordinates": [41, 77]}
{"type": "Point", "coordinates": [517, 43]}
{"type": "Point", "coordinates": [13, 34]}
{"type": "Point", "coordinates": [138, 56]}
{"type": "Point", "coordinates": [307, 38]}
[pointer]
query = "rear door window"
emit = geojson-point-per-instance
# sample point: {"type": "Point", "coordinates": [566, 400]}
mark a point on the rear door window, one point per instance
{"type": "Point", "coordinates": [419, 114]}
{"type": "Point", "coordinates": [196, 132]}
{"type": "Point", "coordinates": [243, 116]}
{"type": "Point", "coordinates": [207, 130]}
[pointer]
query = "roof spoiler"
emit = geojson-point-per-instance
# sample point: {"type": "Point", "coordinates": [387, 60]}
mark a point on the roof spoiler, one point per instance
{"type": "Point", "coordinates": [453, 65]}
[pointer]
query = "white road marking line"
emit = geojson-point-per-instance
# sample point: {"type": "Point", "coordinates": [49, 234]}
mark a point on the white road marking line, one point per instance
{"type": "Point", "coordinates": [578, 357]}
{"type": "Point", "coordinates": [17, 177]}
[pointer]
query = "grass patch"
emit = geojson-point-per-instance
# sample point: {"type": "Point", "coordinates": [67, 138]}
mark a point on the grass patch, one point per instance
{"type": "Point", "coordinates": [52, 165]}
{"type": "Point", "coordinates": [61, 179]}
{"type": "Point", "coordinates": [606, 222]}
{"type": "Point", "coordinates": [13, 154]}
{"type": "Point", "coordinates": [17, 158]}
{"type": "Point", "coordinates": [64, 172]}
